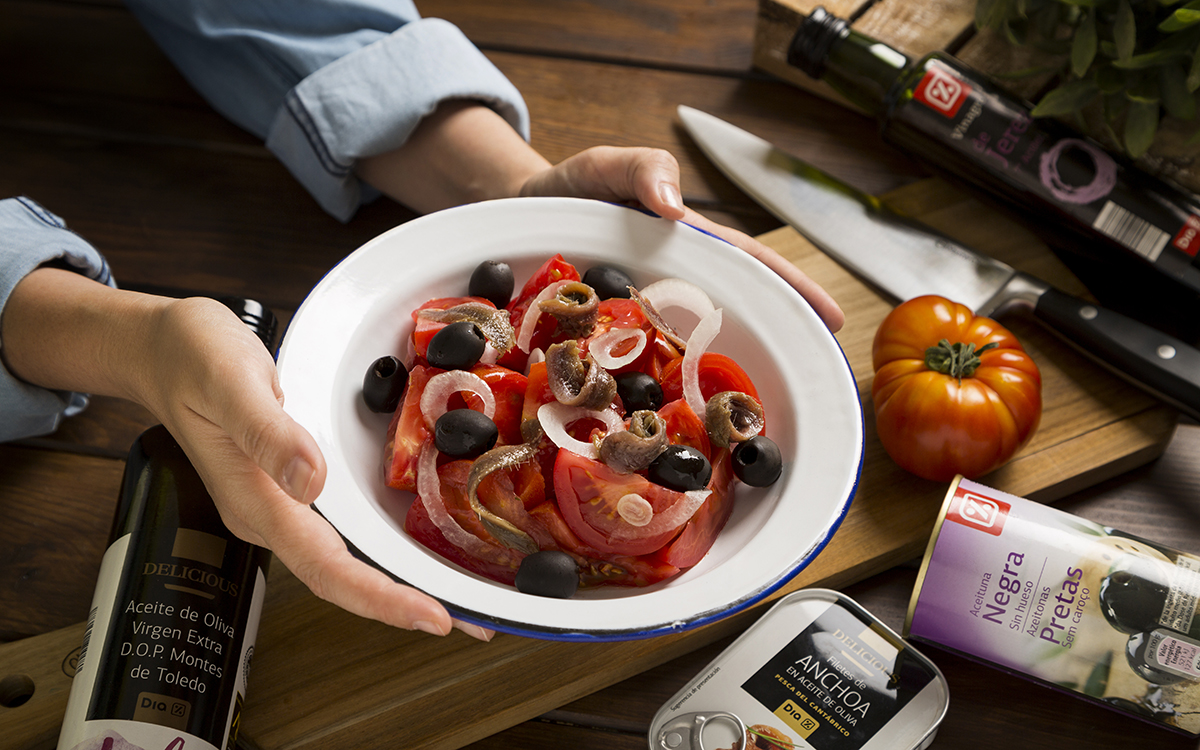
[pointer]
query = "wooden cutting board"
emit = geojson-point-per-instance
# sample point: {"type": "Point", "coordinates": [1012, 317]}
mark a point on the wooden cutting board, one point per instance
{"type": "Point", "coordinates": [326, 679]}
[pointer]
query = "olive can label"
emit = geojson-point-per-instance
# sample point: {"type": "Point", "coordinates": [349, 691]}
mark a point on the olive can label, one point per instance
{"type": "Point", "coordinates": [816, 671]}
{"type": "Point", "coordinates": [1069, 603]}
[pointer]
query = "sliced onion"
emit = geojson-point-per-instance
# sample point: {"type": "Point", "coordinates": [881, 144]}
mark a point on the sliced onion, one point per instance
{"type": "Point", "coordinates": [442, 386]}
{"type": "Point", "coordinates": [530, 321]}
{"type": "Point", "coordinates": [429, 492]}
{"type": "Point", "coordinates": [635, 510]}
{"type": "Point", "coordinates": [555, 417]}
{"type": "Point", "coordinates": [535, 356]}
{"type": "Point", "coordinates": [601, 347]}
{"type": "Point", "coordinates": [698, 343]}
{"type": "Point", "coordinates": [678, 293]}
{"type": "Point", "coordinates": [671, 518]}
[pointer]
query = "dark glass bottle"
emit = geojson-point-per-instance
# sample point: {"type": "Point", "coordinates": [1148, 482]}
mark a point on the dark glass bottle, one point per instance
{"type": "Point", "coordinates": [1164, 657]}
{"type": "Point", "coordinates": [961, 123]}
{"type": "Point", "coordinates": [1141, 593]}
{"type": "Point", "coordinates": [173, 621]}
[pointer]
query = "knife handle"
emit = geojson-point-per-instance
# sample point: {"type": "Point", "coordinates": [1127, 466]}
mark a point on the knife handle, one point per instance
{"type": "Point", "coordinates": [1162, 365]}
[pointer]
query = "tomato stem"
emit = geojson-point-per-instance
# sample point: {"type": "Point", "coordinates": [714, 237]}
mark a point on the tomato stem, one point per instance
{"type": "Point", "coordinates": [957, 360]}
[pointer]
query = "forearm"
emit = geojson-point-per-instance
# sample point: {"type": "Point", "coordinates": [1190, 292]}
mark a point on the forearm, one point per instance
{"type": "Point", "coordinates": [63, 331]}
{"type": "Point", "coordinates": [462, 153]}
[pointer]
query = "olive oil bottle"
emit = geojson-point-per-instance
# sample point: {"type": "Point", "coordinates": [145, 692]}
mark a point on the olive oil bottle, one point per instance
{"type": "Point", "coordinates": [961, 123]}
{"type": "Point", "coordinates": [171, 630]}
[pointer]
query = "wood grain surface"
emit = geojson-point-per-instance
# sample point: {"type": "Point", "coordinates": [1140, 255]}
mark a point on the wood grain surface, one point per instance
{"type": "Point", "coordinates": [99, 127]}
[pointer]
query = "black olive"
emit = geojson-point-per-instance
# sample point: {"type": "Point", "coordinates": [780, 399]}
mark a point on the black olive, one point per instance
{"type": "Point", "coordinates": [639, 391]}
{"type": "Point", "coordinates": [680, 468]}
{"type": "Point", "coordinates": [608, 282]}
{"type": "Point", "coordinates": [548, 573]}
{"type": "Point", "coordinates": [383, 385]}
{"type": "Point", "coordinates": [458, 346]}
{"type": "Point", "coordinates": [492, 280]}
{"type": "Point", "coordinates": [757, 461]}
{"type": "Point", "coordinates": [464, 433]}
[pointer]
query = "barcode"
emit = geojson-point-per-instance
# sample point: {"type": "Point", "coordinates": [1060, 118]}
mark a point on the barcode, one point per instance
{"type": "Point", "coordinates": [1131, 230]}
{"type": "Point", "coordinates": [87, 637]}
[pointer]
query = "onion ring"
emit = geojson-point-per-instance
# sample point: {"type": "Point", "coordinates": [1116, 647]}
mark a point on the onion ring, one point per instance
{"type": "Point", "coordinates": [602, 345]}
{"type": "Point", "coordinates": [554, 418]}
{"type": "Point", "coordinates": [442, 386]}
{"type": "Point", "coordinates": [534, 311]}
{"type": "Point", "coordinates": [702, 337]}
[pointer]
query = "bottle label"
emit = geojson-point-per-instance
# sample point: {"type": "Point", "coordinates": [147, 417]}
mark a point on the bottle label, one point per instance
{"type": "Point", "coordinates": [1174, 654]}
{"type": "Point", "coordinates": [175, 644]}
{"type": "Point", "coordinates": [1041, 162]}
{"type": "Point", "coordinates": [1183, 592]}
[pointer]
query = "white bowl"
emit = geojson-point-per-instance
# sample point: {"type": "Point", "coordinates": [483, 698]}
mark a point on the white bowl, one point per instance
{"type": "Point", "coordinates": [361, 311]}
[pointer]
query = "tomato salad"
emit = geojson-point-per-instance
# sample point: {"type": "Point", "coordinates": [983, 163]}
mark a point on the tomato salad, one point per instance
{"type": "Point", "coordinates": [568, 436]}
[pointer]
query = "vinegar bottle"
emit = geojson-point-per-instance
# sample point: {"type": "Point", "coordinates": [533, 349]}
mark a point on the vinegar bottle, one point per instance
{"type": "Point", "coordinates": [953, 117]}
{"type": "Point", "coordinates": [171, 631]}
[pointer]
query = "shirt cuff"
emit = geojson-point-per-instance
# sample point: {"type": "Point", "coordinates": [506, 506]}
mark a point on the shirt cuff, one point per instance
{"type": "Point", "coordinates": [370, 101]}
{"type": "Point", "coordinates": [31, 237]}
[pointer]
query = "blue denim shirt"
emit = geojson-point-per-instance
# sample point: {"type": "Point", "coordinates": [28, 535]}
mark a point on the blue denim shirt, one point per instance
{"type": "Point", "coordinates": [323, 82]}
{"type": "Point", "coordinates": [326, 82]}
{"type": "Point", "coordinates": [32, 236]}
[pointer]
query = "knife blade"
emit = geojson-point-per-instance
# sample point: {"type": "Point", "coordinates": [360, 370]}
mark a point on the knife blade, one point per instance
{"type": "Point", "coordinates": [906, 259]}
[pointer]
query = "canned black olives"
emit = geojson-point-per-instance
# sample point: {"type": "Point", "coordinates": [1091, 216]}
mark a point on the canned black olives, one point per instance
{"type": "Point", "coordinates": [458, 346]}
{"type": "Point", "coordinates": [383, 385]}
{"type": "Point", "coordinates": [757, 461]}
{"type": "Point", "coordinates": [548, 573]}
{"type": "Point", "coordinates": [608, 282]}
{"type": "Point", "coordinates": [639, 391]}
{"type": "Point", "coordinates": [680, 468]}
{"type": "Point", "coordinates": [464, 433]}
{"type": "Point", "coordinates": [492, 280]}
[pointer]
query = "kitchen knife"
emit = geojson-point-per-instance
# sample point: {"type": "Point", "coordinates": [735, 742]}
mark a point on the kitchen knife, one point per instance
{"type": "Point", "coordinates": [907, 259]}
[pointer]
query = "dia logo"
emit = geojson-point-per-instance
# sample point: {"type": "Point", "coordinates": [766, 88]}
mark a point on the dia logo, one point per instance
{"type": "Point", "coordinates": [941, 92]}
{"type": "Point", "coordinates": [978, 511]}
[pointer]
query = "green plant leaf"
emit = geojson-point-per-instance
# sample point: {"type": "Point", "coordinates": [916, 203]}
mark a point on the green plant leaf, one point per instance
{"type": "Point", "coordinates": [1124, 31]}
{"type": "Point", "coordinates": [1067, 98]}
{"type": "Point", "coordinates": [1083, 48]}
{"type": "Point", "coordinates": [1110, 80]}
{"type": "Point", "coordinates": [1176, 99]}
{"type": "Point", "coordinates": [1182, 18]}
{"type": "Point", "coordinates": [1141, 125]}
{"type": "Point", "coordinates": [1149, 59]}
{"type": "Point", "coordinates": [1193, 77]}
{"type": "Point", "coordinates": [1144, 90]}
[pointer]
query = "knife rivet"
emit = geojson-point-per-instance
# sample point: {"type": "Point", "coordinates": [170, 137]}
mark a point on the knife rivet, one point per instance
{"type": "Point", "coordinates": [1087, 312]}
{"type": "Point", "coordinates": [1166, 351]}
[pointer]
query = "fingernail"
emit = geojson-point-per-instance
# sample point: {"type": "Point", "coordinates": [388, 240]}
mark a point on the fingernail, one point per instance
{"type": "Point", "coordinates": [428, 627]}
{"type": "Point", "coordinates": [297, 477]}
{"type": "Point", "coordinates": [475, 631]}
{"type": "Point", "coordinates": [670, 196]}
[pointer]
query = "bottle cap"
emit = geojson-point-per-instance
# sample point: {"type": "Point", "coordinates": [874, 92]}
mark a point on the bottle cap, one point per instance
{"type": "Point", "coordinates": [810, 46]}
{"type": "Point", "coordinates": [257, 316]}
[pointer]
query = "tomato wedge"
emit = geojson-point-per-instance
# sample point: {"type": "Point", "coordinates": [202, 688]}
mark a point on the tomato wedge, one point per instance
{"type": "Point", "coordinates": [425, 329]}
{"type": "Point", "coordinates": [499, 564]}
{"type": "Point", "coordinates": [407, 433]}
{"type": "Point", "coordinates": [718, 373]}
{"type": "Point", "coordinates": [597, 568]}
{"type": "Point", "coordinates": [587, 492]}
{"type": "Point", "coordinates": [684, 427]}
{"type": "Point", "coordinates": [617, 313]}
{"type": "Point", "coordinates": [701, 531]}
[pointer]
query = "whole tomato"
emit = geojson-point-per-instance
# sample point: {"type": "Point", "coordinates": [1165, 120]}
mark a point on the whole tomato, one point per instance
{"type": "Point", "coordinates": [954, 393]}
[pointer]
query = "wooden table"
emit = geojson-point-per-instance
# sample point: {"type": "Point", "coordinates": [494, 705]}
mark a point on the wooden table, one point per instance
{"type": "Point", "coordinates": [98, 126]}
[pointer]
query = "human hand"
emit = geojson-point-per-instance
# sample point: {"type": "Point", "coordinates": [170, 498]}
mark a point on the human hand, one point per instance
{"type": "Point", "coordinates": [215, 388]}
{"type": "Point", "coordinates": [649, 178]}
{"type": "Point", "coordinates": [212, 383]}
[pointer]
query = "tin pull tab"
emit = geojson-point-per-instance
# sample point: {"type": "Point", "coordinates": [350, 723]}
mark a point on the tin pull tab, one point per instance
{"type": "Point", "coordinates": [686, 731]}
